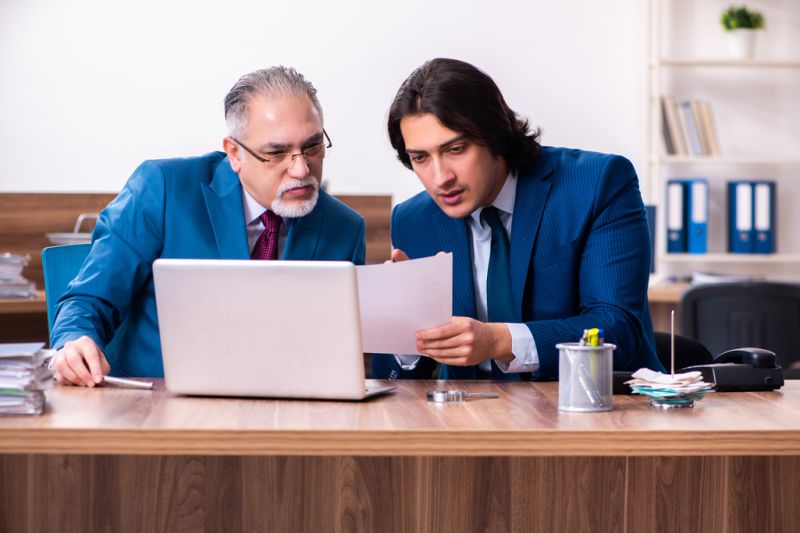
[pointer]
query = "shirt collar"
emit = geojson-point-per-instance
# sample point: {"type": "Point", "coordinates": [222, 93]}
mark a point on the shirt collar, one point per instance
{"type": "Point", "coordinates": [252, 209]}
{"type": "Point", "coordinates": [504, 200]}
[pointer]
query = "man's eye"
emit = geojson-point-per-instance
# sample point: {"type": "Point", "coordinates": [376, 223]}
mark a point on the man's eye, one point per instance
{"type": "Point", "coordinates": [458, 149]}
{"type": "Point", "coordinates": [313, 149]}
{"type": "Point", "coordinates": [418, 158]}
{"type": "Point", "coordinates": [276, 155]}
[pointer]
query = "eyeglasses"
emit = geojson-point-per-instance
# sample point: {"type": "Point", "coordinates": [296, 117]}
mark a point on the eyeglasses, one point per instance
{"type": "Point", "coordinates": [312, 154]}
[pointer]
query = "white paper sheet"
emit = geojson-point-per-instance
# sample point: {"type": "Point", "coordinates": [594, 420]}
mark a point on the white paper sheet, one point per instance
{"type": "Point", "coordinates": [398, 299]}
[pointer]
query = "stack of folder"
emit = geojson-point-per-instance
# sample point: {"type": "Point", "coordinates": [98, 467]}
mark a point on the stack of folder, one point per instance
{"type": "Point", "coordinates": [687, 216]}
{"type": "Point", "coordinates": [24, 378]}
{"type": "Point", "coordinates": [751, 217]}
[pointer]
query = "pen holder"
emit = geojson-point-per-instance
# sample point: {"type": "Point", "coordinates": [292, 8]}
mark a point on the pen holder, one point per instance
{"type": "Point", "coordinates": [585, 377]}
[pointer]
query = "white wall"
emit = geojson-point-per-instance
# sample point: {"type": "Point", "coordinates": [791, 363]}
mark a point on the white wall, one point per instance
{"type": "Point", "coordinates": [90, 88]}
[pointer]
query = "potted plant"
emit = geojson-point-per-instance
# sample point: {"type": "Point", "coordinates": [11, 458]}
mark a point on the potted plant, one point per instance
{"type": "Point", "coordinates": [741, 24]}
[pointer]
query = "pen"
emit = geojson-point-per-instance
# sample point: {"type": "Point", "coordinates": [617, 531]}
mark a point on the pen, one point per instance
{"type": "Point", "coordinates": [127, 383]}
{"type": "Point", "coordinates": [588, 387]}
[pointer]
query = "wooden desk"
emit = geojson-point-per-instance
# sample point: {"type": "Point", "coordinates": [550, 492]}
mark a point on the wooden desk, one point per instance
{"type": "Point", "coordinates": [127, 460]}
{"type": "Point", "coordinates": [22, 306]}
{"type": "Point", "coordinates": [24, 320]}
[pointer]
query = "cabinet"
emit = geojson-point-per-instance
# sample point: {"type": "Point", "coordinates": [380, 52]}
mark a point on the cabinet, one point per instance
{"type": "Point", "coordinates": [756, 114]}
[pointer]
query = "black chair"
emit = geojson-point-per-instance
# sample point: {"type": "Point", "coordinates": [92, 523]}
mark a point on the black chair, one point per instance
{"type": "Point", "coordinates": [688, 352]}
{"type": "Point", "coordinates": [723, 316]}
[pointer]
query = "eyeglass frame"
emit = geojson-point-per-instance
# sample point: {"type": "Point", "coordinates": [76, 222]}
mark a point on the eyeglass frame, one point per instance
{"type": "Point", "coordinates": [291, 156]}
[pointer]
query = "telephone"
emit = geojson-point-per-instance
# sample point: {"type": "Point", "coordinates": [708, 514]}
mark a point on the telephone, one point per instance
{"type": "Point", "coordinates": [742, 369]}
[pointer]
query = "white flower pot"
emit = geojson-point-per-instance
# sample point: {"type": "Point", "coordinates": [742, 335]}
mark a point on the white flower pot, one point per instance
{"type": "Point", "coordinates": [742, 43]}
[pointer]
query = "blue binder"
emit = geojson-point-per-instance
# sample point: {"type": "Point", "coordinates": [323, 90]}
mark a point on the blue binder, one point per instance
{"type": "Point", "coordinates": [764, 216]}
{"type": "Point", "coordinates": [676, 216]}
{"type": "Point", "coordinates": [697, 216]}
{"type": "Point", "coordinates": [740, 217]}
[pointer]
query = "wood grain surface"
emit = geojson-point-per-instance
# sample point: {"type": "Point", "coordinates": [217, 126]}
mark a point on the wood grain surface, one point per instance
{"type": "Point", "coordinates": [523, 421]}
{"type": "Point", "coordinates": [127, 460]}
{"type": "Point", "coordinates": [43, 493]}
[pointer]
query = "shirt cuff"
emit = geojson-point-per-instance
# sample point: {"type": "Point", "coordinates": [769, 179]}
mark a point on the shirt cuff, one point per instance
{"type": "Point", "coordinates": [526, 357]}
{"type": "Point", "coordinates": [407, 362]}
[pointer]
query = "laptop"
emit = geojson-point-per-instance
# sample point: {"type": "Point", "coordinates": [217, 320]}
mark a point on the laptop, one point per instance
{"type": "Point", "coordinates": [280, 329]}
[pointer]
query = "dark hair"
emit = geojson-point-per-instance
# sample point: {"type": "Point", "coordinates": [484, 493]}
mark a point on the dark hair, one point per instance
{"type": "Point", "coordinates": [467, 101]}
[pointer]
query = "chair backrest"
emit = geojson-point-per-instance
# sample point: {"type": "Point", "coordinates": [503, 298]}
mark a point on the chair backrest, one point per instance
{"type": "Point", "coordinates": [730, 315]}
{"type": "Point", "coordinates": [688, 352]}
{"type": "Point", "coordinates": [60, 264]}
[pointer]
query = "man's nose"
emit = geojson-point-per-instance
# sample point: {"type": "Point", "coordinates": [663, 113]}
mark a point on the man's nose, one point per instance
{"type": "Point", "coordinates": [442, 174]}
{"type": "Point", "coordinates": [298, 166]}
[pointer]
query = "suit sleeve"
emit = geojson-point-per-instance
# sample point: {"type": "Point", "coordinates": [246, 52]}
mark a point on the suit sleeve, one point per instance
{"type": "Point", "coordinates": [360, 250]}
{"type": "Point", "coordinates": [612, 276]}
{"type": "Point", "coordinates": [128, 237]}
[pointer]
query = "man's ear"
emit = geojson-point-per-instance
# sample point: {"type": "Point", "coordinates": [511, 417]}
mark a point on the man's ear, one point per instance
{"type": "Point", "coordinates": [232, 149]}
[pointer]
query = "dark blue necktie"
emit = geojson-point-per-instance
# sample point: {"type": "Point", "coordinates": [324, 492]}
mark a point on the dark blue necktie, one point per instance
{"type": "Point", "coordinates": [499, 301]}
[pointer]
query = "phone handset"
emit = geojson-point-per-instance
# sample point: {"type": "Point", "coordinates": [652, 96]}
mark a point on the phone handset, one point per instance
{"type": "Point", "coordinates": [755, 357]}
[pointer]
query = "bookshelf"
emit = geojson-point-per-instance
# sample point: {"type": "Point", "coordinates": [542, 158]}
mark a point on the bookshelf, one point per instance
{"type": "Point", "coordinates": [683, 60]}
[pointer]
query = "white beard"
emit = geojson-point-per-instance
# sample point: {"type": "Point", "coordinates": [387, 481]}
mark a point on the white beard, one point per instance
{"type": "Point", "coordinates": [295, 209]}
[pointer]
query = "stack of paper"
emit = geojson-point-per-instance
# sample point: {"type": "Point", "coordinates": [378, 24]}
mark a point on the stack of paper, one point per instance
{"type": "Point", "coordinates": [24, 376]}
{"type": "Point", "coordinates": [12, 284]}
{"type": "Point", "coordinates": [658, 385]}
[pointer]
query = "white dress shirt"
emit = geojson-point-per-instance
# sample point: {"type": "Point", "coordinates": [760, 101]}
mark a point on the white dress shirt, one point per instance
{"type": "Point", "coordinates": [252, 215]}
{"type": "Point", "coordinates": [526, 357]}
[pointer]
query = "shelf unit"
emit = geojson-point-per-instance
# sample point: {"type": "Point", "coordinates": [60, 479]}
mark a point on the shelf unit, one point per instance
{"type": "Point", "coordinates": [660, 164]}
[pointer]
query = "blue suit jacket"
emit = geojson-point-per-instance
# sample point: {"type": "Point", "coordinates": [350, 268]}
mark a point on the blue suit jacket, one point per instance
{"type": "Point", "coordinates": [177, 208]}
{"type": "Point", "coordinates": [580, 258]}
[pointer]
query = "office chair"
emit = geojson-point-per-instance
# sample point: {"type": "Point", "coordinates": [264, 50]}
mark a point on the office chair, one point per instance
{"type": "Point", "coordinates": [723, 316]}
{"type": "Point", "coordinates": [688, 352]}
{"type": "Point", "coordinates": [61, 264]}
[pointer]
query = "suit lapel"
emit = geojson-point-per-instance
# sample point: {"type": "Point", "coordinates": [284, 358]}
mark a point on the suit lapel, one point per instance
{"type": "Point", "coordinates": [303, 233]}
{"type": "Point", "coordinates": [531, 197]}
{"type": "Point", "coordinates": [223, 197]}
{"type": "Point", "coordinates": [454, 237]}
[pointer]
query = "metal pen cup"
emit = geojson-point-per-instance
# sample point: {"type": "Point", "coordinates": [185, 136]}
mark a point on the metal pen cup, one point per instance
{"type": "Point", "coordinates": [585, 377]}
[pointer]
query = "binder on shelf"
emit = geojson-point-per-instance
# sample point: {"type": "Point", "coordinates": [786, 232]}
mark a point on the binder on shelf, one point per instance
{"type": "Point", "coordinates": [683, 130]}
{"type": "Point", "coordinates": [669, 145]}
{"type": "Point", "coordinates": [702, 134]}
{"type": "Point", "coordinates": [673, 136]}
{"type": "Point", "coordinates": [740, 217]}
{"type": "Point", "coordinates": [692, 132]}
{"type": "Point", "coordinates": [676, 209]}
{"type": "Point", "coordinates": [764, 217]}
{"type": "Point", "coordinates": [697, 216]}
{"type": "Point", "coordinates": [709, 128]}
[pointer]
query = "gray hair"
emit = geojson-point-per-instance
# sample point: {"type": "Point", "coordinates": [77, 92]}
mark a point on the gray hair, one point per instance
{"type": "Point", "coordinates": [273, 81]}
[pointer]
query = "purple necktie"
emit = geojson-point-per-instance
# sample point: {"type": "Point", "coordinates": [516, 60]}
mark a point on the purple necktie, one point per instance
{"type": "Point", "coordinates": [266, 247]}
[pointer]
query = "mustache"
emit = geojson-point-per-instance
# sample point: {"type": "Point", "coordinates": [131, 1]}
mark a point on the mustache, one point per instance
{"type": "Point", "coordinates": [295, 183]}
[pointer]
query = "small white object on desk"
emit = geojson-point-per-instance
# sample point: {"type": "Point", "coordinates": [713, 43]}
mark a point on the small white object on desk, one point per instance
{"type": "Point", "coordinates": [127, 383]}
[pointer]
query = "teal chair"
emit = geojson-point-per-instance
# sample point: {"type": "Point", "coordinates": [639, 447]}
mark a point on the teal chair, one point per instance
{"type": "Point", "coordinates": [61, 264]}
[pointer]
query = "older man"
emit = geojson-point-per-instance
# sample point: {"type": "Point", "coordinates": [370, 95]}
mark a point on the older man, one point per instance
{"type": "Point", "coordinates": [260, 199]}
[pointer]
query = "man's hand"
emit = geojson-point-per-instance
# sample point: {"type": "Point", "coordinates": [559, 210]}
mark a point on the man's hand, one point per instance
{"type": "Point", "coordinates": [398, 255]}
{"type": "Point", "coordinates": [466, 341]}
{"type": "Point", "coordinates": [80, 362]}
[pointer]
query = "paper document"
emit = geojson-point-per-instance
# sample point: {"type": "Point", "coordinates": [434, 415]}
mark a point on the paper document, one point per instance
{"type": "Point", "coordinates": [398, 299]}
